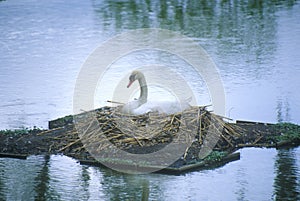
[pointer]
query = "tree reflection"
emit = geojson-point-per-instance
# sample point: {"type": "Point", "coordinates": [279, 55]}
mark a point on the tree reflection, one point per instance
{"type": "Point", "coordinates": [2, 194]}
{"type": "Point", "coordinates": [145, 190]}
{"type": "Point", "coordinates": [42, 189]}
{"type": "Point", "coordinates": [85, 181]}
{"type": "Point", "coordinates": [286, 176]}
{"type": "Point", "coordinates": [187, 15]}
{"type": "Point", "coordinates": [283, 111]}
{"type": "Point", "coordinates": [121, 186]}
{"type": "Point", "coordinates": [42, 180]}
{"type": "Point", "coordinates": [242, 31]}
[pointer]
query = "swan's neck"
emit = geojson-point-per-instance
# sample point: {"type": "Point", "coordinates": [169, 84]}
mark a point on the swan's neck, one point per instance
{"type": "Point", "coordinates": [144, 90]}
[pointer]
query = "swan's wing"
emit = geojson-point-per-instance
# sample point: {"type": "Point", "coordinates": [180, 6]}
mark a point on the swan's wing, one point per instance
{"type": "Point", "coordinates": [129, 107]}
{"type": "Point", "coordinates": [143, 109]}
{"type": "Point", "coordinates": [165, 107]}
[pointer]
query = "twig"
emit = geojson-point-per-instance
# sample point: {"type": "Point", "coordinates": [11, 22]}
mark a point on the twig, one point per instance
{"type": "Point", "coordinates": [116, 102]}
{"type": "Point", "coordinates": [259, 138]}
{"type": "Point", "coordinates": [69, 145]}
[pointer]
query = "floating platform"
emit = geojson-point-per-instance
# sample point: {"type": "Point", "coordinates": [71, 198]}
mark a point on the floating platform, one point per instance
{"type": "Point", "coordinates": [200, 165]}
{"type": "Point", "coordinates": [197, 125]}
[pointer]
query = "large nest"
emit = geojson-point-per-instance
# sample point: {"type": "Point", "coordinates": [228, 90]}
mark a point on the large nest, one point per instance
{"type": "Point", "coordinates": [107, 127]}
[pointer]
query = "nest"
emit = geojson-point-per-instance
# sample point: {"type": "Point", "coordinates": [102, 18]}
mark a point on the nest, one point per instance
{"type": "Point", "coordinates": [107, 127]}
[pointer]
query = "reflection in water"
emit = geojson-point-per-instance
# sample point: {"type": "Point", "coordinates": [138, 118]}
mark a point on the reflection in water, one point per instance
{"type": "Point", "coordinates": [2, 182]}
{"type": "Point", "coordinates": [283, 111]}
{"type": "Point", "coordinates": [85, 175]}
{"type": "Point", "coordinates": [145, 191]}
{"type": "Point", "coordinates": [98, 184]}
{"type": "Point", "coordinates": [62, 178]}
{"type": "Point", "coordinates": [121, 186]}
{"type": "Point", "coordinates": [241, 36]}
{"type": "Point", "coordinates": [42, 188]}
{"type": "Point", "coordinates": [42, 181]}
{"type": "Point", "coordinates": [287, 176]}
{"type": "Point", "coordinates": [43, 45]}
{"type": "Point", "coordinates": [18, 177]}
{"type": "Point", "coordinates": [242, 190]}
{"type": "Point", "coordinates": [245, 26]}
{"type": "Point", "coordinates": [279, 112]}
{"type": "Point", "coordinates": [40, 59]}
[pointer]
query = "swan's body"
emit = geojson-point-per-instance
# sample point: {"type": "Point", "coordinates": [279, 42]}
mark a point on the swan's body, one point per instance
{"type": "Point", "coordinates": [142, 105]}
{"type": "Point", "coordinates": [164, 107]}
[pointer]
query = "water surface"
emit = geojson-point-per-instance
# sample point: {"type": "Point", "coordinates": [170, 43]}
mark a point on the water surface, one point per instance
{"type": "Point", "coordinates": [43, 45]}
{"type": "Point", "coordinates": [274, 176]}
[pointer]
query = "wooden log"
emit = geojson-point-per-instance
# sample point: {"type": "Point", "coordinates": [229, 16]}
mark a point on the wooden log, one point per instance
{"type": "Point", "coordinates": [202, 165]}
{"type": "Point", "coordinates": [166, 170]}
{"type": "Point", "coordinates": [258, 139]}
{"type": "Point", "coordinates": [252, 122]}
{"type": "Point", "coordinates": [9, 155]}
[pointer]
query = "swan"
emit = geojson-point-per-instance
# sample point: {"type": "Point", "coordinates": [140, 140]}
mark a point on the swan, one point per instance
{"type": "Point", "coordinates": [142, 105]}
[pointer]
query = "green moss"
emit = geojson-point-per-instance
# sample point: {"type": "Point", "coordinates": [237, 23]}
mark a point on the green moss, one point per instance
{"type": "Point", "coordinates": [287, 132]}
{"type": "Point", "coordinates": [14, 132]}
{"type": "Point", "coordinates": [215, 156]}
{"type": "Point", "coordinates": [60, 122]}
{"type": "Point", "coordinates": [20, 131]}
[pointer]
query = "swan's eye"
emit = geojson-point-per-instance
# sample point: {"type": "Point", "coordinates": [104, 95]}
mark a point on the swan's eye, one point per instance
{"type": "Point", "coordinates": [132, 78]}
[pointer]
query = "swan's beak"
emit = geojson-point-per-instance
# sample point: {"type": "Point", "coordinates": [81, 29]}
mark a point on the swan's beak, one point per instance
{"type": "Point", "coordinates": [129, 84]}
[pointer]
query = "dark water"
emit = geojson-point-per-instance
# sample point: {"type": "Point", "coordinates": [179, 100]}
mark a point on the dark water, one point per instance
{"type": "Point", "coordinates": [254, 44]}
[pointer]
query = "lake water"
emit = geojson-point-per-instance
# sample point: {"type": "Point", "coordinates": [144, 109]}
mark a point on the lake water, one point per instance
{"type": "Point", "coordinates": [254, 44]}
{"type": "Point", "coordinates": [266, 174]}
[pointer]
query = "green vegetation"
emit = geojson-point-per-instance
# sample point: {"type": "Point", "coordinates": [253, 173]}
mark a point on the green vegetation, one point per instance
{"type": "Point", "coordinates": [20, 131]}
{"type": "Point", "coordinates": [14, 132]}
{"type": "Point", "coordinates": [287, 132]}
{"type": "Point", "coordinates": [215, 156]}
{"type": "Point", "coordinates": [60, 122]}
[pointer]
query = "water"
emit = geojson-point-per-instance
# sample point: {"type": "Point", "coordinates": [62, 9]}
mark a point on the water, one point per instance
{"type": "Point", "coordinates": [275, 175]}
{"type": "Point", "coordinates": [253, 43]}
{"type": "Point", "coordinates": [44, 45]}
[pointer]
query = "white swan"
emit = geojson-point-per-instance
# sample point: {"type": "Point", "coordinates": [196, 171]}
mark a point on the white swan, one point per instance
{"type": "Point", "coordinates": [142, 106]}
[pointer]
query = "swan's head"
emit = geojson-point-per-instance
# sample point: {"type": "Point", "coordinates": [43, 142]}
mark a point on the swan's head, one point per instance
{"type": "Point", "coordinates": [135, 75]}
